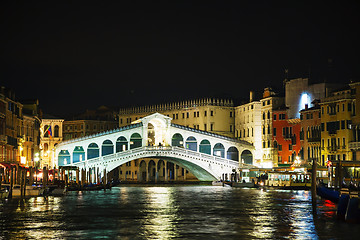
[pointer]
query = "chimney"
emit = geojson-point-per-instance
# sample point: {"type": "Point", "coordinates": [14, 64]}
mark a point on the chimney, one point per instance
{"type": "Point", "coordinates": [251, 96]}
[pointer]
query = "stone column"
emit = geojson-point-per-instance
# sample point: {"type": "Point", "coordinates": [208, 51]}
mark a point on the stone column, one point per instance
{"type": "Point", "coordinates": [147, 171]}
{"type": "Point", "coordinates": [166, 171]}
{"type": "Point", "coordinates": [156, 171]}
{"type": "Point", "coordinates": [175, 172]}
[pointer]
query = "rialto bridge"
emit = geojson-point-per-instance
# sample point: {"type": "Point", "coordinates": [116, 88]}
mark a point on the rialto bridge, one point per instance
{"type": "Point", "coordinates": [206, 155]}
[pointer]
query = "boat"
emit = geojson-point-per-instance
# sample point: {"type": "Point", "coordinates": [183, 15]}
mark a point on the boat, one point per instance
{"type": "Point", "coordinates": [244, 184]}
{"type": "Point", "coordinates": [31, 191]}
{"type": "Point", "coordinates": [217, 183]}
{"type": "Point", "coordinates": [329, 194]}
{"type": "Point", "coordinates": [56, 191]}
{"type": "Point", "coordinates": [4, 193]}
{"type": "Point", "coordinates": [288, 180]}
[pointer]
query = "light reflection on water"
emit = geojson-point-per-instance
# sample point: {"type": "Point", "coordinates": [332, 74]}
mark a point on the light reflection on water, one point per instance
{"type": "Point", "coordinates": [185, 212]}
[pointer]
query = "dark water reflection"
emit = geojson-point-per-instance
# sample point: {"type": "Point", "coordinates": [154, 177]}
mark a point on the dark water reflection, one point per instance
{"type": "Point", "coordinates": [185, 212]}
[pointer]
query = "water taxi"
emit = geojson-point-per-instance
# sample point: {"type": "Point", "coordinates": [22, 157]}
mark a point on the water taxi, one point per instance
{"type": "Point", "coordinates": [289, 180]}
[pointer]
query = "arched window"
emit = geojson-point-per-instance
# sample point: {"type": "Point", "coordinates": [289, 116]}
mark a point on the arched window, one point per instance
{"type": "Point", "coordinates": [93, 151]}
{"type": "Point", "coordinates": [205, 147]}
{"type": "Point", "coordinates": [46, 147]}
{"type": "Point", "coordinates": [121, 144]}
{"type": "Point", "coordinates": [56, 131]}
{"type": "Point", "coordinates": [135, 141]}
{"type": "Point", "coordinates": [46, 133]}
{"type": "Point", "coordinates": [63, 158]}
{"type": "Point", "coordinates": [247, 157]}
{"type": "Point", "coordinates": [191, 143]}
{"type": "Point", "coordinates": [107, 148]}
{"type": "Point", "coordinates": [78, 154]}
{"type": "Point", "coordinates": [232, 153]}
{"type": "Point", "coordinates": [219, 150]}
{"type": "Point", "coordinates": [177, 140]}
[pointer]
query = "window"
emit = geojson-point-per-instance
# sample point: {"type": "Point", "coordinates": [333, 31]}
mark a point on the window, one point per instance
{"type": "Point", "coordinates": [274, 132]}
{"type": "Point", "coordinates": [231, 114]}
{"type": "Point", "coordinates": [274, 117]}
{"type": "Point", "coordinates": [194, 114]}
{"type": "Point", "coordinates": [205, 113]}
{"type": "Point", "coordinates": [211, 126]}
{"type": "Point", "coordinates": [268, 114]}
{"type": "Point", "coordinates": [211, 113]}
{"type": "Point", "coordinates": [187, 115]}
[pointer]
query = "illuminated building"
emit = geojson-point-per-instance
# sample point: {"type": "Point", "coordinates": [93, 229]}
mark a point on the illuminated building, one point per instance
{"type": "Point", "coordinates": [299, 93]}
{"type": "Point", "coordinates": [211, 115]}
{"type": "Point", "coordinates": [248, 125]}
{"type": "Point", "coordinates": [337, 111]}
{"type": "Point", "coordinates": [310, 133]}
{"type": "Point", "coordinates": [269, 102]}
{"type": "Point", "coordinates": [80, 128]}
{"type": "Point", "coordinates": [31, 130]}
{"type": "Point", "coordinates": [51, 133]}
{"type": "Point", "coordinates": [286, 137]}
{"type": "Point", "coordinates": [355, 143]}
{"type": "Point", "coordinates": [11, 120]}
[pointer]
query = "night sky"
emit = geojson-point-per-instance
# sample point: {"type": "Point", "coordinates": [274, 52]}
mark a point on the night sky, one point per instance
{"type": "Point", "coordinates": [80, 55]}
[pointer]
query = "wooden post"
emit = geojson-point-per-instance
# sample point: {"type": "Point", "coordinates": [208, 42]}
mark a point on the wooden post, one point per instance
{"type": "Point", "coordinates": [21, 175]}
{"type": "Point", "coordinates": [77, 176]}
{"type": "Point", "coordinates": [24, 182]}
{"type": "Point", "coordinates": [11, 181]}
{"type": "Point", "coordinates": [31, 178]}
{"type": "Point", "coordinates": [313, 186]}
{"type": "Point", "coordinates": [104, 181]}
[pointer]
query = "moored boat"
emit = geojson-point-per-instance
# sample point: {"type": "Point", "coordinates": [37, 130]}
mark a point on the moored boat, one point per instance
{"type": "Point", "coordinates": [329, 194]}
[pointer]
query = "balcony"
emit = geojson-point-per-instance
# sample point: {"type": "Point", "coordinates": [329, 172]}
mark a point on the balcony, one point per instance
{"type": "Point", "coordinates": [314, 139]}
{"type": "Point", "coordinates": [354, 145]}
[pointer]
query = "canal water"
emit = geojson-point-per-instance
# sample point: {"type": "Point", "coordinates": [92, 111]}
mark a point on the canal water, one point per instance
{"type": "Point", "coordinates": [167, 212]}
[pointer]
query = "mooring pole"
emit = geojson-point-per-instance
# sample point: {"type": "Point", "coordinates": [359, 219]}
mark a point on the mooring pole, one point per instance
{"type": "Point", "coordinates": [313, 186]}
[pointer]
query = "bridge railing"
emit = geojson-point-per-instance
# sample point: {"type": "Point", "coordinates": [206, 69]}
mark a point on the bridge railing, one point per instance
{"type": "Point", "coordinates": [188, 152]}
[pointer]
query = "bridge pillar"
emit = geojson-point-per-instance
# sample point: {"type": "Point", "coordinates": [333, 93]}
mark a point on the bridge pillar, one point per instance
{"type": "Point", "coordinates": [156, 171]}
{"type": "Point", "coordinates": [175, 172]}
{"type": "Point", "coordinates": [166, 171]}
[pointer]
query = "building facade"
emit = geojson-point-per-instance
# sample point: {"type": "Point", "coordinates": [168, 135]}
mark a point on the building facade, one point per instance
{"type": "Point", "coordinates": [298, 93]}
{"type": "Point", "coordinates": [81, 128]}
{"type": "Point", "coordinates": [355, 143]}
{"type": "Point", "coordinates": [337, 112]}
{"type": "Point", "coordinates": [212, 115]}
{"type": "Point", "coordinates": [51, 134]}
{"type": "Point", "coordinates": [11, 121]}
{"type": "Point", "coordinates": [248, 126]}
{"type": "Point", "coordinates": [310, 134]}
{"type": "Point", "coordinates": [286, 137]}
{"type": "Point", "coordinates": [269, 102]}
